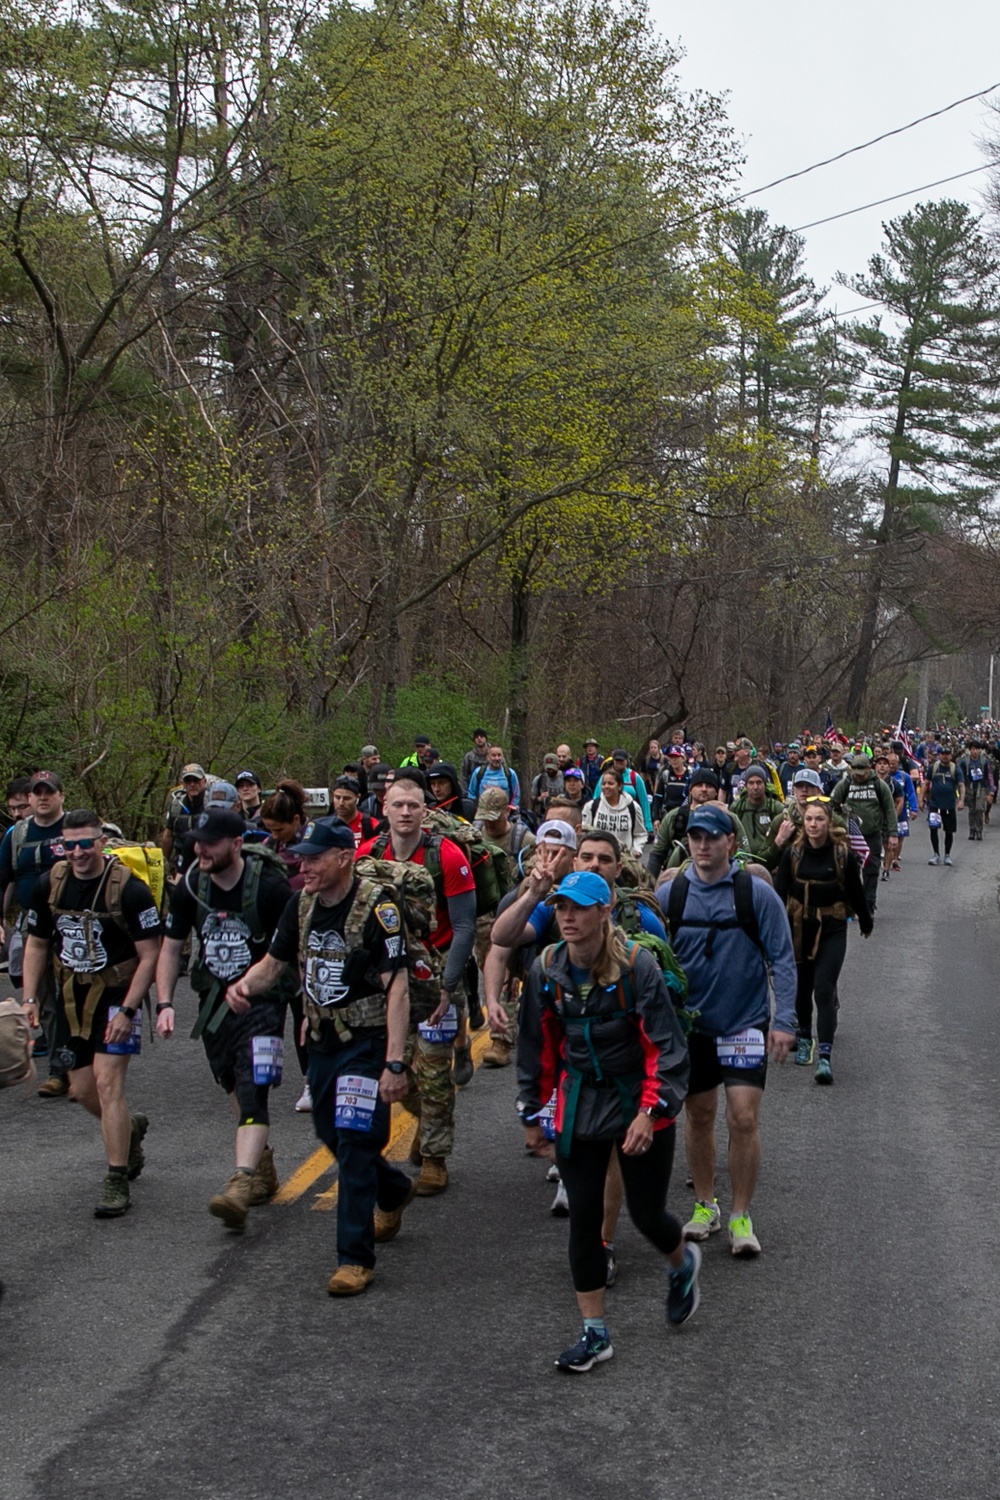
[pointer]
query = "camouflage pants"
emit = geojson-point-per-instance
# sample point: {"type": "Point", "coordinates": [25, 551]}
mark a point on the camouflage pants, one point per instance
{"type": "Point", "coordinates": [430, 1094]}
{"type": "Point", "coordinates": [511, 990]}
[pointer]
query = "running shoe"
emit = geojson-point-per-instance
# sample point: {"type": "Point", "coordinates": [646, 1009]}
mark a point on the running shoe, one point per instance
{"type": "Point", "coordinates": [705, 1220]}
{"type": "Point", "coordinates": [896, 866]}
{"type": "Point", "coordinates": [824, 1072]}
{"type": "Point", "coordinates": [304, 1103]}
{"type": "Point", "coordinates": [885, 874]}
{"type": "Point", "coordinates": [804, 1051]}
{"type": "Point", "coordinates": [588, 1351]}
{"type": "Point", "coordinates": [948, 860]}
{"type": "Point", "coordinates": [552, 1175]}
{"type": "Point", "coordinates": [612, 1276]}
{"type": "Point", "coordinates": [742, 1240]}
{"type": "Point", "coordinates": [934, 860]}
{"type": "Point", "coordinates": [560, 1203]}
{"type": "Point", "coordinates": [683, 1295]}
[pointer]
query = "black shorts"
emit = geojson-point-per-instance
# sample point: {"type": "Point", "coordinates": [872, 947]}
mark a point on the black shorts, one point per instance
{"type": "Point", "coordinates": [79, 1050]}
{"type": "Point", "coordinates": [708, 1071]}
{"type": "Point", "coordinates": [230, 1048]}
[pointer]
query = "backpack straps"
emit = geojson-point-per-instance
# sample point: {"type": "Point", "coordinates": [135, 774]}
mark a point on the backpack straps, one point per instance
{"type": "Point", "coordinates": [745, 917]}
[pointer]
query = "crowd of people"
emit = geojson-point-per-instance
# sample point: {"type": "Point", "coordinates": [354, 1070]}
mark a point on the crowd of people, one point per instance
{"type": "Point", "coordinates": [636, 933]}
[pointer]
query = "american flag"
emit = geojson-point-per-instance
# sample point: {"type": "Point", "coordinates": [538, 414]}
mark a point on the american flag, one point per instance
{"type": "Point", "coordinates": [904, 736]}
{"type": "Point", "coordinates": [857, 842]}
{"type": "Point", "coordinates": [829, 733]}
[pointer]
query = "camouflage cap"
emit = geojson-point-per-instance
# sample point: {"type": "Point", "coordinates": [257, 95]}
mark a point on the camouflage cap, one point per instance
{"type": "Point", "coordinates": [492, 803]}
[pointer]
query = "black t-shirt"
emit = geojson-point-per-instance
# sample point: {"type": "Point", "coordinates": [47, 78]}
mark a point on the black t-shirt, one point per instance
{"type": "Point", "coordinates": [41, 849]}
{"type": "Point", "coordinates": [109, 945]}
{"type": "Point", "coordinates": [228, 947]}
{"type": "Point", "coordinates": [326, 979]}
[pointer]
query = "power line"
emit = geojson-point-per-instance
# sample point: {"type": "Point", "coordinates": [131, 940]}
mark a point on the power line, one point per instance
{"type": "Point", "coordinates": [899, 130]}
{"type": "Point", "coordinates": [877, 203]}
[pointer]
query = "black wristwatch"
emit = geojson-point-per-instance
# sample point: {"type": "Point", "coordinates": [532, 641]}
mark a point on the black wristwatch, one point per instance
{"type": "Point", "coordinates": [396, 1067]}
{"type": "Point", "coordinates": [128, 1010]}
{"type": "Point", "coordinates": [163, 1005]}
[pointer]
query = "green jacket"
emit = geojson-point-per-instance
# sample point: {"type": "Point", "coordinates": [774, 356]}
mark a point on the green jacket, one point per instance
{"type": "Point", "coordinates": [757, 821]}
{"type": "Point", "coordinates": [870, 803]}
{"type": "Point", "coordinates": [670, 852]}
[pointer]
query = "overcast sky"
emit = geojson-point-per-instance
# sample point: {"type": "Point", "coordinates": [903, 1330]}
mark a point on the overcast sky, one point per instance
{"type": "Point", "coordinates": [806, 80]}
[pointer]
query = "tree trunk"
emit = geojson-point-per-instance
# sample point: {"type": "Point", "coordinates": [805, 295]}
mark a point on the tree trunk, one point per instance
{"type": "Point", "coordinates": [518, 683]}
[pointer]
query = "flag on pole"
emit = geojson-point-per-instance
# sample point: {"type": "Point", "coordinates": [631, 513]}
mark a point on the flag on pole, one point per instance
{"type": "Point", "coordinates": [829, 733]}
{"type": "Point", "coordinates": [904, 736]}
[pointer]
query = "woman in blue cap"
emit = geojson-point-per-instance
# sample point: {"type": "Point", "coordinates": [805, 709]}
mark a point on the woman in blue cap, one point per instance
{"type": "Point", "coordinates": [602, 1066]}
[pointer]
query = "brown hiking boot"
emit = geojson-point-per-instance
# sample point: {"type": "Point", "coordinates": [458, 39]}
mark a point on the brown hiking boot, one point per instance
{"type": "Point", "coordinates": [348, 1281]}
{"type": "Point", "coordinates": [416, 1155]}
{"type": "Point", "coordinates": [433, 1177]}
{"type": "Point", "coordinates": [498, 1053]}
{"type": "Point", "coordinates": [387, 1221]}
{"type": "Point", "coordinates": [54, 1088]}
{"type": "Point", "coordinates": [264, 1183]}
{"type": "Point", "coordinates": [232, 1203]}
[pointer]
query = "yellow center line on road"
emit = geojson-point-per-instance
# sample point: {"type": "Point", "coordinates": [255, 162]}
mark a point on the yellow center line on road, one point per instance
{"type": "Point", "coordinates": [401, 1132]}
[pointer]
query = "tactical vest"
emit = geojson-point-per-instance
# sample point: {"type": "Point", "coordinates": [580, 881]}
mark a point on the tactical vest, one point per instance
{"type": "Point", "coordinates": [802, 907]}
{"type": "Point", "coordinates": [368, 1012]}
{"type": "Point", "coordinates": [111, 886]}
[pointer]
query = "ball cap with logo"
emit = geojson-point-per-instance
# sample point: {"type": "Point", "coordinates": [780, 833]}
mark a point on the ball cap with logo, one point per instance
{"type": "Point", "coordinates": [47, 779]}
{"type": "Point", "coordinates": [193, 772]}
{"type": "Point", "coordinates": [220, 824]}
{"type": "Point", "coordinates": [583, 888]}
{"type": "Point", "coordinates": [810, 777]}
{"type": "Point", "coordinates": [710, 818]}
{"type": "Point", "coordinates": [323, 834]}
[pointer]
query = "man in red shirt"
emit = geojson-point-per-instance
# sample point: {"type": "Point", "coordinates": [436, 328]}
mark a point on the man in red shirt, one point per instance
{"type": "Point", "coordinates": [429, 1043]}
{"type": "Point", "coordinates": [344, 796]}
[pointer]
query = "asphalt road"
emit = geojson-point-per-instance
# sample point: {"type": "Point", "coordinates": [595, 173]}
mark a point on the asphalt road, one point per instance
{"type": "Point", "coordinates": [158, 1356]}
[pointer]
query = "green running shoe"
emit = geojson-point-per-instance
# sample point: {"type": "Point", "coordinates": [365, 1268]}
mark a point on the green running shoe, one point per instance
{"type": "Point", "coordinates": [705, 1220]}
{"type": "Point", "coordinates": [804, 1051]}
{"type": "Point", "coordinates": [824, 1072]}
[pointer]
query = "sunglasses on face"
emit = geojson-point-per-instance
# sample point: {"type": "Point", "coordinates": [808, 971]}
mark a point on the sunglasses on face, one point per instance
{"type": "Point", "coordinates": [811, 800]}
{"type": "Point", "coordinates": [71, 844]}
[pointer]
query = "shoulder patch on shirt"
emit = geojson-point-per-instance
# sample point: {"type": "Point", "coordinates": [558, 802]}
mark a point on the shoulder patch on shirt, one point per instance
{"type": "Point", "coordinates": [463, 870]}
{"type": "Point", "coordinates": [150, 917]}
{"type": "Point", "coordinates": [388, 917]}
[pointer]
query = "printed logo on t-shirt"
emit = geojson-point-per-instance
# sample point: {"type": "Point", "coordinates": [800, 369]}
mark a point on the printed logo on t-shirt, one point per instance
{"type": "Point", "coordinates": [325, 968]}
{"type": "Point", "coordinates": [75, 952]}
{"type": "Point", "coordinates": [226, 946]}
{"type": "Point", "coordinates": [463, 870]}
{"type": "Point", "coordinates": [149, 918]}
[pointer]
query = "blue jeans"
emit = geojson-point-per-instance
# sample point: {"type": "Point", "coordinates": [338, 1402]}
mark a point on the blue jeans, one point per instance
{"type": "Point", "coordinates": [366, 1178]}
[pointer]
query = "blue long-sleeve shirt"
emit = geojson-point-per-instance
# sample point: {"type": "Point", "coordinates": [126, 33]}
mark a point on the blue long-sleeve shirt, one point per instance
{"type": "Point", "coordinates": [730, 989]}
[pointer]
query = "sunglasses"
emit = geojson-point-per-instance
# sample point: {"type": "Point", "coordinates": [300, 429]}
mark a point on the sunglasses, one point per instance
{"type": "Point", "coordinates": [811, 800]}
{"type": "Point", "coordinates": [70, 844]}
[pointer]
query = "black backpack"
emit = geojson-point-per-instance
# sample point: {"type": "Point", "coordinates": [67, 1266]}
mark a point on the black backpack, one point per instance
{"type": "Point", "coordinates": [744, 917]}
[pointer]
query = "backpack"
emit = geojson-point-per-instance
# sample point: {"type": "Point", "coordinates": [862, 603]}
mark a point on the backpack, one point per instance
{"type": "Point", "coordinates": [476, 781]}
{"type": "Point", "coordinates": [487, 860]}
{"type": "Point", "coordinates": [414, 891]}
{"type": "Point", "coordinates": [144, 860]}
{"type": "Point", "coordinates": [745, 917]}
{"type": "Point", "coordinates": [626, 916]}
{"type": "Point", "coordinates": [213, 1011]}
{"type": "Point", "coordinates": [18, 839]}
{"type": "Point", "coordinates": [113, 881]}
{"type": "Point", "coordinates": [16, 1062]}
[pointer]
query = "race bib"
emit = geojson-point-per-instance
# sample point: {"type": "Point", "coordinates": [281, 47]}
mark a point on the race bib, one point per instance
{"type": "Point", "coordinates": [355, 1106]}
{"type": "Point", "coordinates": [902, 827]}
{"type": "Point", "coordinates": [975, 774]}
{"type": "Point", "coordinates": [444, 1030]}
{"type": "Point", "coordinates": [743, 1049]}
{"type": "Point", "coordinates": [933, 820]}
{"type": "Point", "coordinates": [133, 1042]}
{"type": "Point", "coordinates": [268, 1057]}
{"type": "Point", "coordinates": [546, 1118]}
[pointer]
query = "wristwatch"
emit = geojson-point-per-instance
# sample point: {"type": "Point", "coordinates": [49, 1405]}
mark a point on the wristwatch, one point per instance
{"type": "Point", "coordinates": [649, 1110]}
{"type": "Point", "coordinates": [163, 1005]}
{"type": "Point", "coordinates": [128, 1010]}
{"type": "Point", "coordinates": [396, 1067]}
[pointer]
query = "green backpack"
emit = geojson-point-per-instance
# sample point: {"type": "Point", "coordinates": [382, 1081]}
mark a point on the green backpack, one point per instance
{"type": "Point", "coordinates": [487, 861]}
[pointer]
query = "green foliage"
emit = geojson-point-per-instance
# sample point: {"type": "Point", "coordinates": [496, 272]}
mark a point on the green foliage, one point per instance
{"type": "Point", "coordinates": [948, 710]}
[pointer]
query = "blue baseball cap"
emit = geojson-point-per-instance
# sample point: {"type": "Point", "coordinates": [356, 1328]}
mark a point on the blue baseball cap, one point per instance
{"type": "Point", "coordinates": [711, 818]}
{"type": "Point", "coordinates": [323, 834]}
{"type": "Point", "coordinates": [583, 888]}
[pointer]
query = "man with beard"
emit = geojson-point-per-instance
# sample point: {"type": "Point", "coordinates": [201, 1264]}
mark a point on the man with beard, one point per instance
{"type": "Point", "coordinates": [234, 900]}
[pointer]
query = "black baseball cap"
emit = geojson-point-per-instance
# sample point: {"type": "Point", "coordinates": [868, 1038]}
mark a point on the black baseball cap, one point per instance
{"type": "Point", "coordinates": [219, 824]}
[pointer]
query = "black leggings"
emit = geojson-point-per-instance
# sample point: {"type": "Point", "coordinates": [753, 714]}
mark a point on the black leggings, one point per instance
{"type": "Point", "coordinates": [949, 823]}
{"type": "Point", "coordinates": [818, 976]}
{"type": "Point", "coordinates": [646, 1178]}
